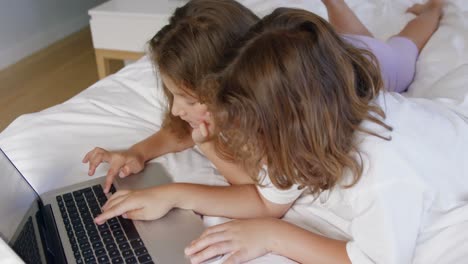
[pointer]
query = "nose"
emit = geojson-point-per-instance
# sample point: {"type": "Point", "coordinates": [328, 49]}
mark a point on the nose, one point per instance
{"type": "Point", "coordinates": [176, 109]}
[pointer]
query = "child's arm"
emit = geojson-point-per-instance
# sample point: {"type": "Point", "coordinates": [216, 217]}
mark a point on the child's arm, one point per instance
{"type": "Point", "coordinates": [379, 232]}
{"type": "Point", "coordinates": [124, 163]}
{"type": "Point", "coordinates": [249, 239]}
{"type": "Point", "coordinates": [237, 201]}
{"type": "Point", "coordinates": [241, 201]}
{"type": "Point", "coordinates": [162, 142]}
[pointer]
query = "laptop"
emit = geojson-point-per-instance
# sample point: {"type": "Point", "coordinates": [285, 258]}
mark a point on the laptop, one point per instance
{"type": "Point", "coordinates": [58, 227]}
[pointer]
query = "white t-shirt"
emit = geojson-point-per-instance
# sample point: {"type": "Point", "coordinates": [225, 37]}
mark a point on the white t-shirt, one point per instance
{"type": "Point", "coordinates": [412, 186]}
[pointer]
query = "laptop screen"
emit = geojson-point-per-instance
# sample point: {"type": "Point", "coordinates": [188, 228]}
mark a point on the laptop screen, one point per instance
{"type": "Point", "coordinates": [16, 198]}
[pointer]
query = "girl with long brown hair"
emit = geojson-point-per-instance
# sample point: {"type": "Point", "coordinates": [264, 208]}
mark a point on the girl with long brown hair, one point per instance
{"type": "Point", "coordinates": [384, 173]}
{"type": "Point", "coordinates": [183, 53]}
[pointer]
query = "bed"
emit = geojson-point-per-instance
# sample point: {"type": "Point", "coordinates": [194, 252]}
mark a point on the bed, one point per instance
{"type": "Point", "coordinates": [124, 108]}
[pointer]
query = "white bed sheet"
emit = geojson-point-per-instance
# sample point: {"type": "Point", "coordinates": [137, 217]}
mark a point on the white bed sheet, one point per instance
{"type": "Point", "coordinates": [124, 108]}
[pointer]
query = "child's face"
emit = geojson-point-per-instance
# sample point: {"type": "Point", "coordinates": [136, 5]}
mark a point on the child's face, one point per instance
{"type": "Point", "coordinates": [185, 105]}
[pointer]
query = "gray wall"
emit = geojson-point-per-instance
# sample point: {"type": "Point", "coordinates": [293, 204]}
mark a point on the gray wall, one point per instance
{"type": "Point", "coordinates": [27, 26]}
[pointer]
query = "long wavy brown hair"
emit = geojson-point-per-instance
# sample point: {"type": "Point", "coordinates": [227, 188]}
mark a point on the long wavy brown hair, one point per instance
{"type": "Point", "coordinates": [193, 43]}
{"type": "Point", "coordinates": [292, 95]}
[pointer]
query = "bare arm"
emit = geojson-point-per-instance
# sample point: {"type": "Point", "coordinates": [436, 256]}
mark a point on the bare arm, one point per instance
{"type": "Point", "coordinates": [243, 240]}
{"type": "Point", "coordinates": [160, 143]}
{"type": "Point", "coordinates": [305, 247]}
{"type": "Point", "coordinates": [237, 201]}
{"type": "Point", "coordinates": [124, 163]}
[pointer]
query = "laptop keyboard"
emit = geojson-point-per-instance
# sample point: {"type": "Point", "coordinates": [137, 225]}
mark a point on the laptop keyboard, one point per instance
{"type": "Point", "coordinates": [26, 245]}
{"type": "Point", "coordinates": [116, 241]}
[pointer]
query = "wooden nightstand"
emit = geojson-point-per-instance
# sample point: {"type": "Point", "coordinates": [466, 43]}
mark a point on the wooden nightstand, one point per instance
{"type": "Point", "coordinates": [121, 28]}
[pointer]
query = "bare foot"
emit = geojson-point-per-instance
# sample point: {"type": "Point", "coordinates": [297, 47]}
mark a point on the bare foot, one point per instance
{"type": "Point", "coordinates": [418, 9]}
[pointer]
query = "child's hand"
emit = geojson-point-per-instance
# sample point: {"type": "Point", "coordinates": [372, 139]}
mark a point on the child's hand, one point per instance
{"type": "Point", "coordinates": [148, 204]}
{"type": "Point", "coordinates": [122, 163]}
{"type": "Point", "coordinates": [205, 131]}
{"type": "Point", "coordinates": [242, 240]}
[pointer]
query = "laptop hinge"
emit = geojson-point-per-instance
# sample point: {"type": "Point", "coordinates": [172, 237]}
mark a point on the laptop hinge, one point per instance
{"type": "Point", "coordinates": [50, 237]}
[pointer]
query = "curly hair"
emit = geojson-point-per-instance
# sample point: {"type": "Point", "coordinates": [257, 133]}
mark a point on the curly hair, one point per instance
{"type": "Point", "coordinates": [192, 44]}
{"type": "Point", "coordinates": [292, 95]}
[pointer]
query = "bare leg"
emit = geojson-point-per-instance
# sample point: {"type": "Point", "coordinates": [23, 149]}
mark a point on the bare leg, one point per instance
{"type": "Point", "coordinates": [420, 29]}
{"type": "Point", "coordinates": [343, 19]}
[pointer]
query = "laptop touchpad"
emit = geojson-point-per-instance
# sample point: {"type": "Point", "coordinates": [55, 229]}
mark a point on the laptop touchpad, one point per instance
{"type": "Point", "coordinates": [153, 174]}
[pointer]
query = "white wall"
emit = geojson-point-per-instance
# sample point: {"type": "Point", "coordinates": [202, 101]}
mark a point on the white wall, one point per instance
{"type": "Point", "coordinates": [27, 26]}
